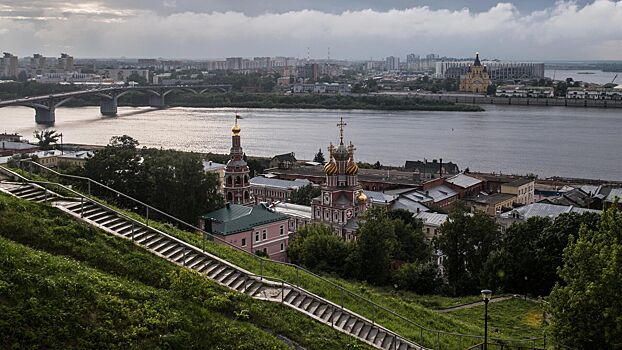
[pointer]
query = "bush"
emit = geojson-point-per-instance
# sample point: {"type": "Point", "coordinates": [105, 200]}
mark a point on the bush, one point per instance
{"type": "Point", "coordinates": [420, 278]}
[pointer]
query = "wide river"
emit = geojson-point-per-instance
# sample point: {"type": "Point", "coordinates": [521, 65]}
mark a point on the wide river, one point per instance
{"type": "Point", "coordinates": [573, 142]}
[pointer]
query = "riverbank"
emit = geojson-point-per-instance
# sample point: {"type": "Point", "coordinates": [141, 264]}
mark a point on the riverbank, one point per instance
{"type": "Point", "coordinates": [297, 101]}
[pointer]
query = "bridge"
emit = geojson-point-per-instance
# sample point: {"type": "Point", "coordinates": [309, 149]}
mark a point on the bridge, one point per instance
{"type": "Point", "coordinates": [45, 106]}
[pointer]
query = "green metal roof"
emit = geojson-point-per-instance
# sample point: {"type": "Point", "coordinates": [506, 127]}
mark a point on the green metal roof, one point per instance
{"type": "Point", "coordinates": [236, 218]}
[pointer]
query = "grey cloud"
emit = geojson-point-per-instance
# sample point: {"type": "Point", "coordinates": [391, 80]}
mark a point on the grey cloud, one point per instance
{"type": "Point", "coordinates": [502, 30]}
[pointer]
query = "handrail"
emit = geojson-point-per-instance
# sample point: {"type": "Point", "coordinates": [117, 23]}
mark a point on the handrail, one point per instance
{"type": "Point", "coordinates": [271, 281]}
{"type": "Point", "coordinates": [374, 305]}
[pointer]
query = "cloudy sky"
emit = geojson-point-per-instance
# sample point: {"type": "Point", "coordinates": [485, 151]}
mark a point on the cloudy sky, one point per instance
{"type": "Point", "coordinates": [356, 29]}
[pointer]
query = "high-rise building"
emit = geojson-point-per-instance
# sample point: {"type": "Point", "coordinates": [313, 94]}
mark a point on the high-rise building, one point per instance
{"type": "Point", "coordinates": [342, 198]}
{"type": "Point", "coordinates": [65, 62]}
{"type": "Point", "coordinates": [393, 63]}
{"type": "Point", "coordinates": [234, 63]}
{"type": "Point", "coordinates": [237, 182]}
{"type": "Point", "coordinates": [8, 65]}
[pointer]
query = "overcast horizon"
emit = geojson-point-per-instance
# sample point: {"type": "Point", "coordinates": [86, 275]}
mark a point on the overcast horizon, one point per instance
{"type": "Point", "coordinates": [356, 29]}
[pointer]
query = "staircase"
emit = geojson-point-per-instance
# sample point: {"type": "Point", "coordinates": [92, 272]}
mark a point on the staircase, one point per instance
{"type": "Point", "coordinates": [218, 270]}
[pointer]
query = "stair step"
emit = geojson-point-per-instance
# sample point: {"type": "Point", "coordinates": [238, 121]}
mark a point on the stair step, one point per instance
{"type": "Point", "coordinates": [254, 288]}
{"type": "Point", "coordinates": [314, 305]}
{"type": "Point", "coordinates": [97, 214]}
{"type": "Point", "coordinates": [193, 258]}
{"type": "Point", "coordinates": [372, 334]}
{"type": "Point", "coordinates": [166, 248]}
{"type": "Point", "coordinates": [356, 329]}
{"type": "Point", "coordinates": [365, 331]}
{"type": "Point", "coordinates": [319, 312]}
{"type": "Point", "coordinates": [247, 284]}
{"type": "Point", "coordinates": [213, 267]}
{"type": "Point", "coordinates": [299, 299]}
{"type": "Point", "coordinates": [223, 274]}
{"type": "Point", "coordinates": [230, 278]}
{"type": "Point", "coordinates": [203, 266]}
{"type": "Point", "coordinates": [305, 304]}
{"type": "Point", "coordinates": [113, 221]}
{"type": "Point", "coordinates": [343, 318]}
{"type": "Point", "coordinates": [348, 325]}
{"type": "Point", "coordinates": [238, 282]}
{"type": "Point", "coordinates": [120, 226]}
{"type": "Point", "coordinates": [197, 261]}
{"type": "Point", "coordinates": [388, 341]}
{"type": "Point", "coordinates": [379, 338]}
{"type": "Point", "coordinates": [403, 346]}
{"type": "Point", "coordinates": [217, 270]}
{"type": "Point", "coordinates": [291, 296]}
{"type": "Point", "coordinates": [173, 252]}
{"type": "Point", "coordinates": [179, 256]}
{"type": "Point", "coordinates": [105, 218]}
{"type": "Point", "coordinates": [153, 240]}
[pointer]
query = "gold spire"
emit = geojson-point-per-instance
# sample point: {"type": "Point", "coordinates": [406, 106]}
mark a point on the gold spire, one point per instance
{"type": "Point", "coordinates": [362, 198]}
{"type": "Point", "coordinates": [236, 128]}
{"type": "Point", "coordinates": [341, 124]}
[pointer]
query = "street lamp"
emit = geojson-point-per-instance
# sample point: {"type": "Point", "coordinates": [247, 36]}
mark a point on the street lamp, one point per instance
{"type": "Point", "coordinates": [486, 294]}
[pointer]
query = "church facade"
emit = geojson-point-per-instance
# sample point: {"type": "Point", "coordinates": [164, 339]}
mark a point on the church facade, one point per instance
{"type": "Point", "coordinates": [237, 182]}
{"type": "Point", "coordinates": [342, 198]}
{"type": "Point", "coordinates": [477, 79]}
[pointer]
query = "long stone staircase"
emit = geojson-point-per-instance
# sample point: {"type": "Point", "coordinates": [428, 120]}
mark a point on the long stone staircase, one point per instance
{"type": "Point", "coordinates": [218, 270]}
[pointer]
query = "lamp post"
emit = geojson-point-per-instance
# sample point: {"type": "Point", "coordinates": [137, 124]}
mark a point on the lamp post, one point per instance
{"type": "Point", "coordinates": [486, 294]}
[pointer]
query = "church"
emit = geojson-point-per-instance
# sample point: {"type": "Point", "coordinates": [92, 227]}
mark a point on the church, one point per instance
{"type": "Point", "coordinates": [477, 79]}
{"type": "Point", "coordinates": [342, 199]}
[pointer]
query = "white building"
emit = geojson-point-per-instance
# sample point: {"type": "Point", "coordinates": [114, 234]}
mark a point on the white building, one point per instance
{"type": "Point", "coordinates": [525, 91]}
{"type": "Point", "coordinates": [595, 93]}
{"type": "Point", "coordinates": [393, 63]}
{"type": "Point", "coordinates": [498, 71]}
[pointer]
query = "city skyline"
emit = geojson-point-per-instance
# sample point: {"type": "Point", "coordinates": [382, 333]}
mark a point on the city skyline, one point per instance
{"type": "Point", "coordinates": [357, 30]}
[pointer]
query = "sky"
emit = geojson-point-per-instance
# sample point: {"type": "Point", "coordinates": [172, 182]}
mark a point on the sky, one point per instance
{"type": "Point", "coordinates": [352, 29]}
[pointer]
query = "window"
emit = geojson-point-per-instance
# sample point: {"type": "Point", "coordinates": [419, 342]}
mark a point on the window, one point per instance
{"type": "Point", "coordinates": [265, 250]}
{"type": "Point", "coordinates": [264, 235]}
{"type": "Point", "coordinates": [256, 236]}
{"type": "Point", "coordinates": [427, 229]}
{"type": "Point", "coordinates": [282, 247]}
{"type": "Point", "coordinates": [281, 230]}
{"type": "Point", "coordinates": [243, 242]}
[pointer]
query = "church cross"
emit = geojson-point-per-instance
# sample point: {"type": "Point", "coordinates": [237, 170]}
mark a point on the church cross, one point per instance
{"type": "Point", "coordinates": [341, 124]}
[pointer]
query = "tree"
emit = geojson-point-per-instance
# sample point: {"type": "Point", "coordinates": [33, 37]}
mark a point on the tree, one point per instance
{"type": "Point", "coordinates": [419, 277]}
{"type": "Point", "coordinates": [412, 245]}
{"type": "Point", "coordinates": [46, 138]}
{"type": "Point", "coordinates": [316, 247]}
{"type": "Point", "coordinates": [135, 77]}
{"type": "Point", "coordinates": [466, 242]}
{"type": "Point", "coordinates": [376, 244]}
{"type": "Point", "coordinates": [124, 142]}
{"type": "Point", "coordinates": [319, 157]}
{"type": "Point", "coordinates": [304, 195]}
{"type": "Point", "coordinates": [586, 306]}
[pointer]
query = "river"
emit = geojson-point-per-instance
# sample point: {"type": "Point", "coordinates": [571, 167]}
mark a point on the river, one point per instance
{"type": "Point", "coordinates": [548, 141]}
{"type": "Point", "coordinates": [593, 76]}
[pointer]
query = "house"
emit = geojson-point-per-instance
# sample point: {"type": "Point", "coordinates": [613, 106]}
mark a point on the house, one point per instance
{"type": "Point", "coordinates": [431, 223]}
{"type": "Point", "coordinates": [575, 197]}
{"type": "Point", "coordinates": [465, 185]}
{"type": "Point", "coordinates": [219, 170]}
{"type": "Point", "coordinates": [544, 210]}
{"type": "Point", "coordinates": [491, 204]}
{"type": "Point", "coordinates": [253, 229]}
{"type": "Point", "coordinates": [440, 196]}
{"type": "Point", "coordinates": [8, 148]}
{"type": "Point", "coordinates": [283, 161]}
{"type": "Point", "coordinates": [269, 190]}
{"type": "Point", "coordinates": [425, 170]}
{"type": "Point", "coordinates": [523, 189]}
{"type": "Point", "coordinates": [299, 215]}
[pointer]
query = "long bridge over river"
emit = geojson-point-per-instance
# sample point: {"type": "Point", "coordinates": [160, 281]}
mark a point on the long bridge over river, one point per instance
{"type": "Point", "coordinates": [45, 106]}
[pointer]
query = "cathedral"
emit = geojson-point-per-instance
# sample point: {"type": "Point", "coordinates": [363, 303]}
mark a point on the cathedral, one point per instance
{"type": "Point", "coordinates": [237, 182]}
{"type": "Point", "coordinates": [341, 199]}
{"type": "Point", "coordinates": [477, 79]}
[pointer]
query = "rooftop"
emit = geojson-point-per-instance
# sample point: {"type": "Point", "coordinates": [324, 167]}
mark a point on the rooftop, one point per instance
{"type": "Point", "coordinates": [379, 197]}
{"type": "Point", "coordinates": [208, 165]}
{"type": "Point", "coordinates": [236, 218]}
{"type": "Point", "coordinates": [490, 199]}
{"type": "Point", "coordinates": [544, 210]}
{"type": "Point", "coordinates": [291, 209]}
{"type": "Point", "coordinates": [518, 182]}
{"type": "Point", "coordinates": [277, 183]}
{"type": "Point", "coordinates": [463, 181]}
{"type": "Point", "coordinates": [405, 178]}
{"type": "Point", "coordinates": [432, 219]}
{"type": "Point", "coordinates": [16, 145]}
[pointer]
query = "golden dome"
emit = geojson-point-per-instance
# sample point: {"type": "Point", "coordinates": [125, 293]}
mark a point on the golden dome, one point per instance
{"type": "Point", "coordinates": [352, 168]}
{"type": "Point", "coordinates": [236, 129]}
{"type": "Point", "coordinates": [330, 168]}
{"type": "Point", "coordinates": [362, 198]}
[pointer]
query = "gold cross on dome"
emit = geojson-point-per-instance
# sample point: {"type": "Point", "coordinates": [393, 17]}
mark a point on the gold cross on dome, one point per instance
{"type": "Point", "coordinates": [341, 124]}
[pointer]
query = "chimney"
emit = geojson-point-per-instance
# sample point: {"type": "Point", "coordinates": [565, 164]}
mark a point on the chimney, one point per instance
{"type": "Point", "coordinates": [418, 210]}
{"type": "Point", "coordinates": [440, 167]}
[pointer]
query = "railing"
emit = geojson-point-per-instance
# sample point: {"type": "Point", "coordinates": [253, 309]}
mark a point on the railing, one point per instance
{"type": "Point", "coordinates": [312, 282]}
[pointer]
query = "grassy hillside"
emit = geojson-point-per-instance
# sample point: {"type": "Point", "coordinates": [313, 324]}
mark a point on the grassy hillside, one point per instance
{"type": "Point", "coordinates": [66, 285]}
{"type": "Point", "coordinates": [418, 308]}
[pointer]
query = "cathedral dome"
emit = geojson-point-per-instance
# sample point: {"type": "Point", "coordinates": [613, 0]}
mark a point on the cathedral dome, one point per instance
{"type": "Point", "coordinates": [362, 198]}
{"type": "Point", "coordinates": [341, 153]}
{"type": "Point", "coordinates": [352, 168]}
{"type": "Point", "coordinates": [330, 168]}
{"type": "Point", "coordinates": [236, 129]}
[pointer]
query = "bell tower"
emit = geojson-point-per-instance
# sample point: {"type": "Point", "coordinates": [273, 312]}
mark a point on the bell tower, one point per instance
{"type": "Point", "coordinates": [237, 181]}
{"type": "Point", "coordinates": [342, 199]}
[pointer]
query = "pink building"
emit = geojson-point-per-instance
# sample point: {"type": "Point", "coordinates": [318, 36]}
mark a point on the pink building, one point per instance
{"type": "Point", "coordinates": [256, 228]}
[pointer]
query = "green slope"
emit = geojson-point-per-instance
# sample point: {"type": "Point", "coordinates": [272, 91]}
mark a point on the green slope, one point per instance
{"type": "Point", "coordinates": [64, 284]}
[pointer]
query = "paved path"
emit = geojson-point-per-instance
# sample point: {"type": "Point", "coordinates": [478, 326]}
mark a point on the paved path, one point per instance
{"type": "Point", "coordinates": [477, 303]}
